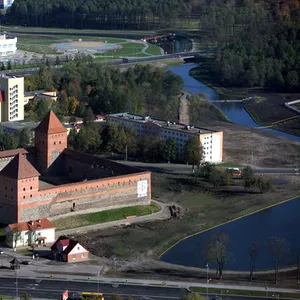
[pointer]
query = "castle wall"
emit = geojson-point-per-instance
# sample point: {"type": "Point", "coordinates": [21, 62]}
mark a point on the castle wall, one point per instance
{"type": "Point", "coordinates": [119, 191]}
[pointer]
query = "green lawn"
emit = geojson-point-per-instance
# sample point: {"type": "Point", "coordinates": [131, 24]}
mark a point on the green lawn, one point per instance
{"type": "Point", "coordinates": [153, 50]}
{"type": "Point", "coordinates": [128, 49]}
{"type": "Point", "coordinates": [105, 216]}
{"type": "Point", "coordinates": [245, 293]}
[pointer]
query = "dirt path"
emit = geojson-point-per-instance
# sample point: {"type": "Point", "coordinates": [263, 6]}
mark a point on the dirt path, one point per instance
{"type": "Point", "coordinates": [184, 109]}
{"type": "Point", "coordinates": [163, 214]}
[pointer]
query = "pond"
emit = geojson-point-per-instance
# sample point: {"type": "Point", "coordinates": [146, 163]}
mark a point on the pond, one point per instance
{"type": "Point", "coordinates": [234, 111]}
{"type": "Point", "coordinates": [279, 221]}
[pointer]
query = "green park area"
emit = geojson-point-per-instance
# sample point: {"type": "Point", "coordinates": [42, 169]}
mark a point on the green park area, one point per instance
{"type": "Point", "coordinates": [105, 216]}
{"type": "Point", "coordinates": [40, 44]}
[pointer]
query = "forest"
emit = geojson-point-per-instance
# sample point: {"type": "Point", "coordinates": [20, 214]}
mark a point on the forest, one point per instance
{"type": "Point", "coordinates": [142, 89]}
{"type": "Point", "coordinates": [258, 42]}
{"type": "Point", "coordinates": [101, 14]}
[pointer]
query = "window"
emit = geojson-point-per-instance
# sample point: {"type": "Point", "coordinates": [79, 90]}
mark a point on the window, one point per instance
{"type": "Point", "coordinates": [30, 196]}
{"type": "Point", "coordinates": [54, 143]}
{"type": "Point", "coordinates": [23, 197]}
{"type": "Point", "coordinates": [31, 187]}
{"type": "Point", "coordinates": [83, 255]}
{"type": "Point", "coordinates": [23, 189]}
{"type": "Point", "coordinates": [73, 256]}
{"type": "Point", "coordinates": [78, 248]}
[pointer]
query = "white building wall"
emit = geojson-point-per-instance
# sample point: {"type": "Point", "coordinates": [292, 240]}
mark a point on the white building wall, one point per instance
{"type": "Point", "coordinates": [8, 46]}
{"type": "Point", "coordinates": [77, 249]}
{"type": "Point", "coordinates": [29, 237]}
{"type": "Point", "coordinates": [216, 148]}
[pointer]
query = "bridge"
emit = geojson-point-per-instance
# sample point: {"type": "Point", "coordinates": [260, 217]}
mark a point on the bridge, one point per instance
{"type": "Point", "coordinates": [184, 55]}
{"type": "Point", "coordinates": [157, 37]}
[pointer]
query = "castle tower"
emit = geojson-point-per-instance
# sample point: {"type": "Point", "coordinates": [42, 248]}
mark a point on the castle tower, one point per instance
{"type": "Point", "coordinates": [19, 185]}
{"type": "Point", "coordinates": [50, 140]}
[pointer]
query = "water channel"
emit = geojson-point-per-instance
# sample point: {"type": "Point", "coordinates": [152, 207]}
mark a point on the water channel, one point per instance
{"type": "Point", "coordinates": [279, 221]}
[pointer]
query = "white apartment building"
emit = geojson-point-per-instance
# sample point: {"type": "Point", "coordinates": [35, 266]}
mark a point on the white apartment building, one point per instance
{"type": "Point", "coordinates": [6, 3]}
{"type": "Point", "coordinates": [11, 98]}
{"type": "Point", "coordinates": [211, 141]}
{"type": "Point", "coordinates": [8, 45]}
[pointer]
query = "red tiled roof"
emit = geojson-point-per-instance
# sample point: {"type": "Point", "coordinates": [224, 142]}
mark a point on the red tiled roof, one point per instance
{"type": "Point", "coordinates": [32, 225]}
{"type": "Point", "coordinates": [2, 96]}
{"type": "Point", "coordinates": [19, 168]}
{"type": "Point", "coordinates": [14, 152]}
{"type": "Point", "coordinates": [65, 242]}
{"type": "Point", "coordinates": [50, 124]}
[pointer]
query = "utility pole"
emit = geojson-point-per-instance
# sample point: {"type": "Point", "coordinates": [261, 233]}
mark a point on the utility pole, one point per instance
{"type": "Point", "coordinates": [17, 292]}
{"type": "Point", "coordinates": [207, 268]}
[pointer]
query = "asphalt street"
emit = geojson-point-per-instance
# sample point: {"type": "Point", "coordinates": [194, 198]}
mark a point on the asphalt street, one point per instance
{"type": "Point", "coordinates": [52, 289]}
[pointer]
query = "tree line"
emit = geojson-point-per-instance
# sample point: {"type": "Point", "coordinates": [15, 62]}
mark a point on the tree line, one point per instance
{"type": "Point", "coordinates": [258, 41]}
{"type": "Point", "coordinates": [117, 14]}
{"type": "Point", "coordinates": [140, 89]}
{"type": "Point", "coordinates": [118, 140]}
{"type": "Point", "coordinates": [216, 251]}
{"type": "Point", "coordinates": [9, 141]}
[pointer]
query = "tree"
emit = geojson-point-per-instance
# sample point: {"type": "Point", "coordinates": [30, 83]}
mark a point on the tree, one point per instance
{"type": "Point", "coordinates": [24, 138]}
{"type": "Point", "coordinates": [8, 141]}
{"type": "Point", "coordinates": [193, 296]}
{"type": "Point", "coordinates": [170, 150]}
{"type": "Point", "coordinates": [247, 175]}
{"type": "Point", "coordinates": [57, 60]}
{"type": "Point", "coordinates": [116, 297]}
{"type": "Point", "coordinates": [193, 152]}
{"type": "Point", "coordinates": [217, 252]}
{"type": "Point", "coordinates": [292, 79]}
{"type": "Point", "coordinates": [25, 296]}
{"type": "Point", "coordinates": [89, 115]}
{"type": "Point", "coordinates": [253, 253]}
{"type": "Point", "coordinates": [216, 177]}
{"type": "Point", "coordinates": [16, 234]}
{"type": "Point", "coordinates": [206, 169]}
{"type": "Point", "coordinates": [278, 248]}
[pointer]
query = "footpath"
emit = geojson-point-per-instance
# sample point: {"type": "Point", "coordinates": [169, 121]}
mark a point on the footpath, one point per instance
{"type": "Point", "coordinates": [163, 214]}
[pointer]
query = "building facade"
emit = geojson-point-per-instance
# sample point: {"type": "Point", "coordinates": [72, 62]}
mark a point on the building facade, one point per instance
{"type": "Point", "coordinates": [211, 140]}
{"type": "Point", "coordinates": [68, 250]}
{"type": "Point", "coordinates": [52, 180]}
{"type": "Point", "coordinates": [8, 44]}
{"type": "Point", "coordinates": [11, 98]}
{"type": "Point", "coordinates": [31, 233]}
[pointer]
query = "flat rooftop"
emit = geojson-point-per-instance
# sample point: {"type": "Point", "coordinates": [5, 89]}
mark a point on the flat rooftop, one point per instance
{"type": "Point", "coordinates": [162, 123]}
{"type": "Point", "coordinates": [18, 125]}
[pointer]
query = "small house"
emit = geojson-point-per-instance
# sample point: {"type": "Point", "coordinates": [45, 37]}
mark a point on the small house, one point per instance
{"type": "Point", "coordinates": [31, 233]}
{"type": "Point", "coordinates": [68, 250]}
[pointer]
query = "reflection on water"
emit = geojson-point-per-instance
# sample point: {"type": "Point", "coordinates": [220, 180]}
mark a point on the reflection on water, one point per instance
{"type": "Point", "coordinates": [280, 221]}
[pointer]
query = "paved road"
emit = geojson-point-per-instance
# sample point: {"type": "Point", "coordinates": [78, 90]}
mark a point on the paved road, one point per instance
{"type": "Point", "coordinates": [52, 289]}
{"type": "Point", "coordinates": [187, 169]}
{"type": "Point", "coordinates": [30, 71]}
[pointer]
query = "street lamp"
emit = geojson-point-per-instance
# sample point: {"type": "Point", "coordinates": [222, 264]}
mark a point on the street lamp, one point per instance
{"type": "Point", "coordinates": [17, 292]}
{"type": "Point", "coordinates": [207, 268]}
{"type": "Point", "coordinates": [98, 281]}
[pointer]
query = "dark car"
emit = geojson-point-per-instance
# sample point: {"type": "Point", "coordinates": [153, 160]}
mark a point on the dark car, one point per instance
{"type": "Point", "coordinates": [26, 262]}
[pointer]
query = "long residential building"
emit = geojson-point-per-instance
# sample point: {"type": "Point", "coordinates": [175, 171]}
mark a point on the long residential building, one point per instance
{"type": "Point", "coordinates": [11, 98]}
{"type": "Point", "coordinates": [211, 140]}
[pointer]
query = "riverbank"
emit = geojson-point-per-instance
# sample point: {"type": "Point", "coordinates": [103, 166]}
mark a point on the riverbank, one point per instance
{"type": "Point", "coordinates": [268, 107]}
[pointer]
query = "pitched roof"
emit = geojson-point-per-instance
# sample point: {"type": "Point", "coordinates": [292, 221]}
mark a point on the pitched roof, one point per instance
{"type": "Point", "coordinates": [39, 224]}
{"type": "Point", "coordinates": [19, 168]}
{"type": "Point", "coordinates": [50, 124]}
{"type": "Point", "coordinates": [66, 242]}
{"type": "Point", "coordinates": [14, 152]}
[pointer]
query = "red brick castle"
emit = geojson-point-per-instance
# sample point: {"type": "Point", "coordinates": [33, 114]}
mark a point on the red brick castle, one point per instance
{"type": "Point", "coordinates": [49, 179]}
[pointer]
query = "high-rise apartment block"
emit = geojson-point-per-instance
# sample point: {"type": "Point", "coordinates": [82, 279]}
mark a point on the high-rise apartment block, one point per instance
{"type": "Point", "coordinates": [11, 98]}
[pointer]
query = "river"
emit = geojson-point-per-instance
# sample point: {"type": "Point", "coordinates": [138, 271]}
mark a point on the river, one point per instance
{"type": "Point", "coordinates": [234, 111]}
{"type": "Point", "coordinates": [279, 221]}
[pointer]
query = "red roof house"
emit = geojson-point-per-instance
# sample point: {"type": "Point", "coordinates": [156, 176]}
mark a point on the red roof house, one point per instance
{"type": "Point", "coordinates": [35, 232]}
{"type": "Point", "coordinates": [68, 250]}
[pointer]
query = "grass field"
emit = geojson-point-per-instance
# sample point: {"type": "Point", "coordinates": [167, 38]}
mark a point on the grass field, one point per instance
{"type": "Point", "coordinates": [225, 292]}
{"type": "Point", "coordinates": [105, 216]}
{"type": "Point", "coordinates": [203, 208]}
